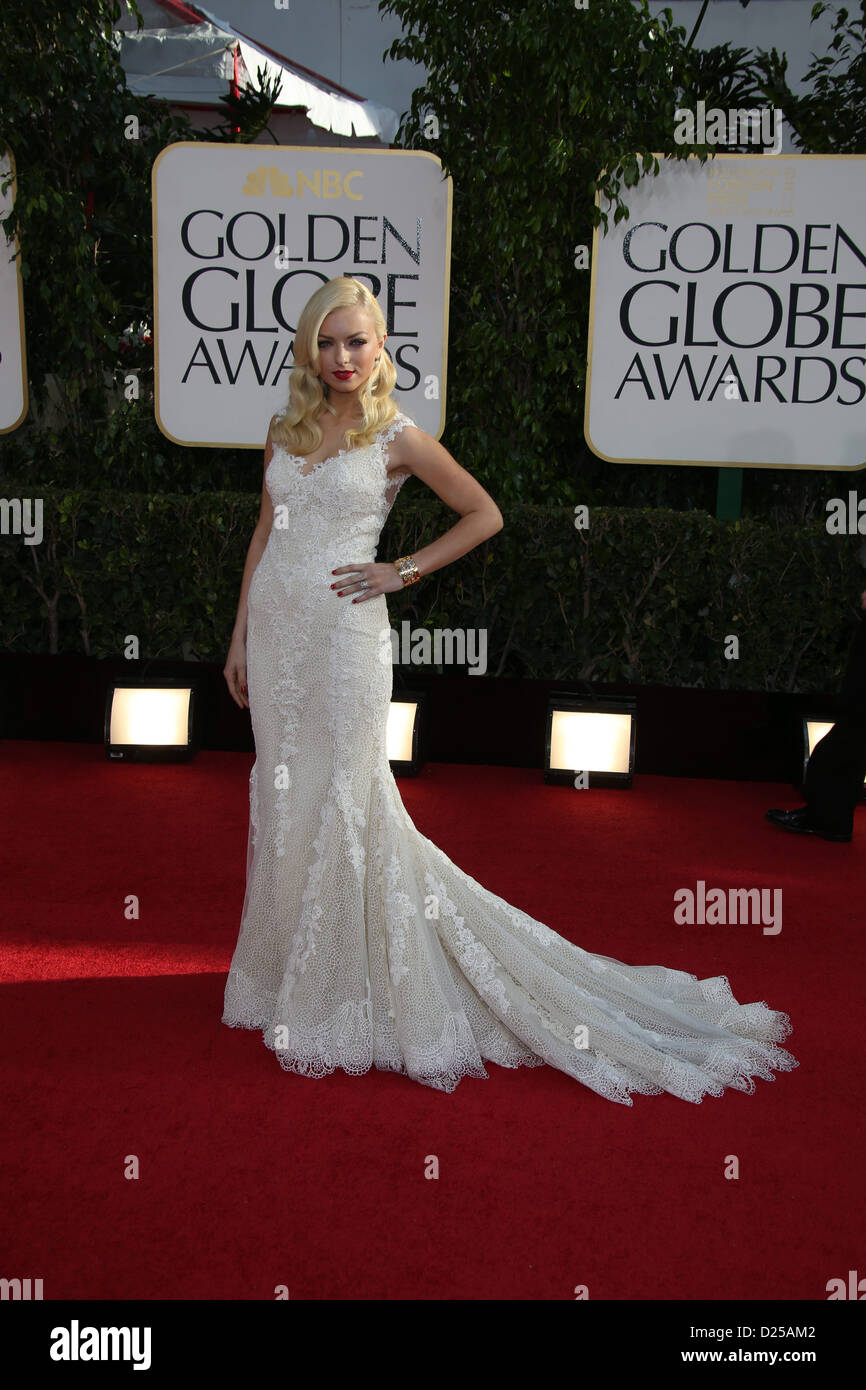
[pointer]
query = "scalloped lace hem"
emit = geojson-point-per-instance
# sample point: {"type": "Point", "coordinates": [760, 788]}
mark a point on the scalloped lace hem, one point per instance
{"type": "Point", "coordinates": [315, 1067]}
{"type": "Point", "coordinates": [725, 1066]}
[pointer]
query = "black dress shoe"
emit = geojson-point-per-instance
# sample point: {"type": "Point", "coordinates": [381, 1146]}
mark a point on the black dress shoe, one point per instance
{"type": "Point", "coordinates": [799, 824]}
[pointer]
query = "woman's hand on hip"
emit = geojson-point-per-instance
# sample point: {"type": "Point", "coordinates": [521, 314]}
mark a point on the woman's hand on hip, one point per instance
{"type": "Point", "coordinates": [379, 579]}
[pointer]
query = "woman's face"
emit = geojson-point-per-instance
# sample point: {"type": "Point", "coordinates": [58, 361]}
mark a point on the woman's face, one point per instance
{"type": "Point", "coordinates": [348, 348]}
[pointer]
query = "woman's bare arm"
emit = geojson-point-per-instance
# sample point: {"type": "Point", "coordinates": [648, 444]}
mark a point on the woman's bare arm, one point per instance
{"type": "Point", "coordinates": [235, 669]}
{"type": "Point", "coordinates": [413, 451]}
{"type": "Point", "coordinates": [256, 548]}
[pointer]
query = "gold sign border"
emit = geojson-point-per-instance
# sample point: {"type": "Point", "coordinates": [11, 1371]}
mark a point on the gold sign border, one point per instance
{"type": "Point", "coordinates": [25, 409]}
{"type": "Point", "coordinates": [304, 149]}
{"type": "Point", "coordinates": [694, 463]}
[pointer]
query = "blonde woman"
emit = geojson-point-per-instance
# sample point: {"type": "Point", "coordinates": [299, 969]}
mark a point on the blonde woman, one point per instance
{"type": "Point", "coordinates": [361, 944]}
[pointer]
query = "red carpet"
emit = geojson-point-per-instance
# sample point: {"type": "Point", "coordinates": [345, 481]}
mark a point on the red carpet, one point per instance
{"type": "Point", "coordinates": [251, 1177]}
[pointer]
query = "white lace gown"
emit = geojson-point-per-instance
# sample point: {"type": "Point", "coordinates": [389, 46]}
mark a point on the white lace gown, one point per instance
{"type": "Point", "coordinates": [361, 944]}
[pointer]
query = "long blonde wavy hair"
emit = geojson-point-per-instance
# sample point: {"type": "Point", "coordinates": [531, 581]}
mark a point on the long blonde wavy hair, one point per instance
{"type": "Point", "coordinates": [296, 429]}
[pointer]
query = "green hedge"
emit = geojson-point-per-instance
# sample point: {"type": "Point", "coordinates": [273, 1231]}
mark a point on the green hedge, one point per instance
{"type": "Point", "coordinates": [643, 596]}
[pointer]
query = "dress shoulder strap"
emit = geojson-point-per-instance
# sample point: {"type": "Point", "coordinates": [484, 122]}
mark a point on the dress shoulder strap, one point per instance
{"type": "Point", "coordinates": [394, 427]}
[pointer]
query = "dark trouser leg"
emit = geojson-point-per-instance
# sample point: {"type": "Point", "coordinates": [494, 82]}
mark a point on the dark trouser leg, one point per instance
{"type": "Point", "coordinates": [834, 776]}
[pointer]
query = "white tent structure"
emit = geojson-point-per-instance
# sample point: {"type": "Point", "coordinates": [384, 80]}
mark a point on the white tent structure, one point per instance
{"type": "Point", "coordinates": [190, 57]}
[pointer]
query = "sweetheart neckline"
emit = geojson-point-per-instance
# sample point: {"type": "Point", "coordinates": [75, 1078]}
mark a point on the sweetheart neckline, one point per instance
{"type": "Point", "coordinates": [332, 458]}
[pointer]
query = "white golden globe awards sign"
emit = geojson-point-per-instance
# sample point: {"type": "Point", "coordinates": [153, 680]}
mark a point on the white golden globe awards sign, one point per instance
{"type": "Point", "coordinates": [728, 316]}
{"type": "Point", "coordinates": [13, 373]}
{"type": "Point", "coordinates": [243, 235]}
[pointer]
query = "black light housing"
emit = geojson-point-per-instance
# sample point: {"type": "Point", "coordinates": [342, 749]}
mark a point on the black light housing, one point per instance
{"type": "Point", "coordinates": [151, 720]}
{"type": "Point", "coordinates": [590, 734]}
{"type": "Point", "coordinates": [813, 731]}
{"type": "Point", "coordinates": [404, 732]}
